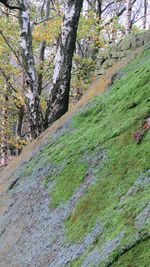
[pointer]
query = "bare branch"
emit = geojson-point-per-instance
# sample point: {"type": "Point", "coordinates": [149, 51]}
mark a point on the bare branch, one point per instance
{"type": "Point", "coordinates": [108, 6]}
{"type": "Point", "coordinates": [5, 3]}
{"type": "Point", "coordinates": [44, 20]}
{"type": "Point", "coordinates": [119, 13]}
{"type": "Point", "coordinates": [7, 80]}
{"type": "Point", "coordinates": [10, 47]}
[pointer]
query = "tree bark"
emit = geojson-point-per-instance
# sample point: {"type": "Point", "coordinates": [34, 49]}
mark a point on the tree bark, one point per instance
{"type": "Point", "coordinates": [30, 74]}
{"type": "Point", "coordinates": [4, 136]}
{"type": "Point", "coordinates": [19, 127]}
{"type": "Point", "coordinates": [145, 14]}
{"type": "Point", "coordinates": [99, 8]}
{"type": "Point", "coordinates": [128, 16]}
{"type": "Point", "coordinates": [42, 50]}
{"type": "Point", "coordinates": [20, 122]}
{"type": "Point", "coordinates": [57, 103]}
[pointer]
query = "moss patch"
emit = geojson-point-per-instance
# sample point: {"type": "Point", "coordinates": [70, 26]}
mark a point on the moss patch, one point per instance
{"type": "Point", "coordinates": [69, 179]}
{"type": "Point", "coordinates": [139, 256]}
{"type": "Point", "coordinates": [112, 123]}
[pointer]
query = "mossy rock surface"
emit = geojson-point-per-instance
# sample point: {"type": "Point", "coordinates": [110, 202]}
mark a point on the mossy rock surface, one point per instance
{"type": "Point", "coordinates": [82, 198]}
{"type": "Point", "coordinates": [122, 49]}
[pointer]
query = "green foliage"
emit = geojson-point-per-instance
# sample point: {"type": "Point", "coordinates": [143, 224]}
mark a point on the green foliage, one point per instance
{"type": "Point", "coordinates": [10, 74]}
{"type": "Point", "coordinates": [11, 33]}
{"type": "Point", "coordinates": [48, 31]}
{"type": "Point", "coordinates": [88, 26]}
{"type": "Point", "coordinates": [82, 76]}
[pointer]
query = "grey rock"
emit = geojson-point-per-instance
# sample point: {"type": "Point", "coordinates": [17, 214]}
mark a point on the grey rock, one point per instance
{"type": "Point", "coordinates": [98, 255]}
{"type": "Point", "coordinates": [139, 40]}
{"type": "Point", "coordinates": [140, 183]}
{"type": "Point", "coordinates": [125, 44]}
{"type": "Point", "coordinates": [39, 239]}
{"type": "Point", "coordinates": [143, 217]}
{"type": "Point", "coordinates": [146, 37]}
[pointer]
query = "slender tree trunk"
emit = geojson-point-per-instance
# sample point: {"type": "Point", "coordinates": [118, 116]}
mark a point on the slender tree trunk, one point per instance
{"type": "Point", "coordinates": [99, 8]}
{"type": "Point", "coordinates": [19, 126]}
{"type": "Point", "coordinates": [128, 16]}
{"type": "Point", "coordinates": [42, 51]}
{"type": "Point", "coordinates": [145, 14]}
{"type": "Point", "coordinates": [30, 75]}
{"type": "Point", "coordinates": [58, 100]}
{"type": "Point", "coordinates": [4, 136]}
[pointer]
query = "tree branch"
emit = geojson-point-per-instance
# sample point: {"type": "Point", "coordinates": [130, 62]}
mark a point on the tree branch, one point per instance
{"type": "Point", "coordinates": [119, 13]}
{"type": "Point", "coordinates": [10, 47]}
{"type": "Point", "coordinates": [15, 54]}
{"type": "Point", "coordinates": [7, 80]}
{"type": "Point", "coordinates": [108, 6]}
{"type": "Point", "coordinates": [5, 3]}
{"type": "Point", "coordinates": [43, 20]}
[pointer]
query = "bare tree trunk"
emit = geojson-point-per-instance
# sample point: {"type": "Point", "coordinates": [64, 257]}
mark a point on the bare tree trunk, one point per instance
{"type": "Point", "coordinates": [145, 14]}
{"type": "Point", "coordinates": [58, 100]}
{"type": "Point", "coordinates": [128, 16]}
{"type": "Point", "coordinates": [42, 51]}
{"type": "Point", "coordinates": [30, 74]}
{"type": "Point", "coordinates": [4, 137]}
{"type": "Point", "coordinates": [99, 8]}
{"type": "Point", "coordinates": [19, 126]}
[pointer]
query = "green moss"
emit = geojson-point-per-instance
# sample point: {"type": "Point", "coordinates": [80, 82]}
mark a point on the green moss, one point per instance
{"type": "Point", "coordinates": [76, 263]}
{"type": "Point", "coordinates": [115, 126]}
{"type": "Point", "coordinates": [139, 256]}
{"type": "Point", "coordinates": [69, 179]}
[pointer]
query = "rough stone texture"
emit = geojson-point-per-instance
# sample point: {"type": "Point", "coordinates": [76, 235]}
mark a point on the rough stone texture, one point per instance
{"type": "Point", "coordinates": [146, 37]}
{"type": "Point", "coordinates": [140, 183]}
{"type": "Point", "coordinates": [35, 233]}
{"type": "Point", "coordinates": [143, 217]}
{"type": "Point", "coordinates": [34, 236]}
{"type": "Point", "coordinates": [40, 239]}
{"type": "Point", "coordinates": [108, 57]}
{"type": "Point", "coordinates": [96, 256]}
{"type": "Point", "coordinates": [124, 45]}
{"type": "Point", "coordinates": [100, 72]}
